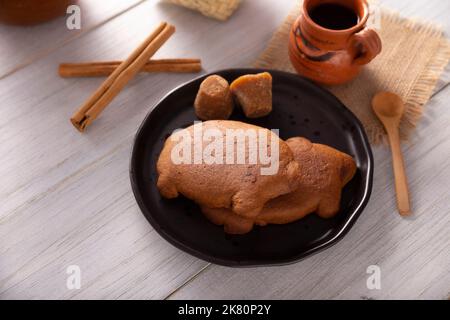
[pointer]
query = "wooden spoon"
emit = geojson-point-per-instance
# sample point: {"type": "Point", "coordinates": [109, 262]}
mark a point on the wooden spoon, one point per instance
{"type": "Point", "coordinates": [389, 108]}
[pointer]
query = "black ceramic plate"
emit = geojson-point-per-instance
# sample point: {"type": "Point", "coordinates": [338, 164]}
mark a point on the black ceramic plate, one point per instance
{"type": "Point", "coordinates": [300, 108]}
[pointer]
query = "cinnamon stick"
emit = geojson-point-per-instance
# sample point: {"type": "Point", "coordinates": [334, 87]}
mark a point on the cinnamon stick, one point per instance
{"type": "Point", "coordinates": [99, 69]}
{"type": "Point", "coordinates": [111, 87]}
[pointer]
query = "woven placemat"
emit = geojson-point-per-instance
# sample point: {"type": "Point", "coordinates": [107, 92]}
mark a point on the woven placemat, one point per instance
{"type": "Point", "coordinates": [413, 58]}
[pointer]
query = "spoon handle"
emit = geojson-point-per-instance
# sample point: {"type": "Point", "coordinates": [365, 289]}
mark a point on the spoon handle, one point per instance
{"type": "Point", "coordinates": [401, 184]}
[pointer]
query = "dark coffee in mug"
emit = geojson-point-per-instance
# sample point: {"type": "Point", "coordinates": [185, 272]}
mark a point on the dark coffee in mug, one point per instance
{"type": "Point", "coordinates": [334, 16]}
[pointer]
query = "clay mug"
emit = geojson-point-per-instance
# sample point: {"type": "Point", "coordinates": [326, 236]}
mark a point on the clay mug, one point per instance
{"type": "Point", "coordinates": [330, 42]}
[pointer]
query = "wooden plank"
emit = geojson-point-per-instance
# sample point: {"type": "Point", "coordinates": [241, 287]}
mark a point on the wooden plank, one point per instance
{"type": "Point", "coordinates": [412, 253]}
{"type": "Point", "coordinates": [21, 46]}
{"type": "Point", "coordinates": [65, 197]}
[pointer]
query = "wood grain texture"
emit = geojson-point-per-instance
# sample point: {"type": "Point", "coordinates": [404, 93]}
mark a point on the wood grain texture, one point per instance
{"type": "Point", "coordinates": [433, 11]}
{"type": "Point", "coordinates": [412, 253]}
{"type": "Point", "coordinates": [65, 198]}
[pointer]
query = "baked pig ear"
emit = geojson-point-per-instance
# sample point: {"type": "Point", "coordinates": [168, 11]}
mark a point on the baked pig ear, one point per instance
{"type": "Point", "coordinates": [292, 172]}
{"type": "Point", "coordinates": [348, 169]}
{"type": "Point", "coordinates": [299, 144]}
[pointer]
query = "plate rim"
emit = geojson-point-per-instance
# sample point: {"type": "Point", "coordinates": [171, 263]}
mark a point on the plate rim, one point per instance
{"type": "Point", "coordinates": [350, 221]}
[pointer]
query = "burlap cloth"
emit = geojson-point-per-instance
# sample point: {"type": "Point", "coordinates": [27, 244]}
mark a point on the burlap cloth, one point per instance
{"type": "Point", "coordinates": [413, 58]}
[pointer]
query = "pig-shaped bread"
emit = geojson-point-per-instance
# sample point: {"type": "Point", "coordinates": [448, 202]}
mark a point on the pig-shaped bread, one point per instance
{"type": "Point", "coordinates": [324, 172]}
{"type": "Point", "coordinates": [204, 170]}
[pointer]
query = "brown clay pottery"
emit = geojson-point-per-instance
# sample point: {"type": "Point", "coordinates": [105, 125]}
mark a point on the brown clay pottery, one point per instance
{"type": "Point", "coordinates": [329, 42]}
{"type": "Point", "coordinates": [28, 12]}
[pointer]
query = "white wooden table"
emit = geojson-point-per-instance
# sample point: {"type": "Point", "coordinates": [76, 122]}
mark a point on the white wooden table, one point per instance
{"type": "Point", "coordinates": [65, 198]}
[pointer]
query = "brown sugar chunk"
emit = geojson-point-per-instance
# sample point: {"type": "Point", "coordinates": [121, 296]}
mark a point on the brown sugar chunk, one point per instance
{"type": "Point", "coordinates": [214, 100]}
{"type": "Point", "coordinates": [324, 172]}
{"type": "Point", "coordinates": [239, 187]}
{"type": "Point", "coordinates": [253, 92]}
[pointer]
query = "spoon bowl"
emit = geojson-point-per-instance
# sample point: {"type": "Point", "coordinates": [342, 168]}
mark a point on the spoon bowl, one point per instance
{"type": "Point", "coordinates": [388, 105]}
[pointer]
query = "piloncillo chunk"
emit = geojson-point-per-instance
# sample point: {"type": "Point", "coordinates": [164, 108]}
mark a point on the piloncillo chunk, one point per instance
{"type": "Point", "coordinates": [214, 100]}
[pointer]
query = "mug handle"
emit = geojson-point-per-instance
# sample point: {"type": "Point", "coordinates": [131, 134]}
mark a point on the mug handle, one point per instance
{"type": "Point", "coordinates": [365, 45]}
